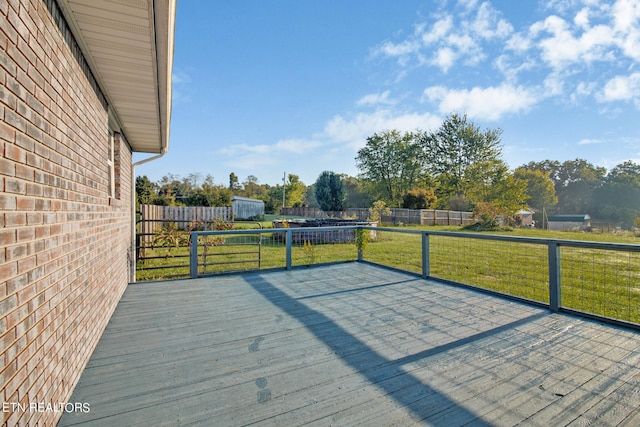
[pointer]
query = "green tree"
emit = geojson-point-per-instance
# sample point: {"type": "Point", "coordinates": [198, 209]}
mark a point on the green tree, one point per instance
{"type": "Point", "coordinates": [392, 163]}
{"type": "Point", "coordinates": [619, 196]}
{"type": "Point", "coordinates": [294, 189]}
{"type": "Point", "coordinates": [490, 182]}
{"type": "Point", "coordinates": [234, 185]}
{"type": "Point", "coordinates": [252, 188]}
{"type": "Point", "coordinates": [419, 198]}
{"type": "Point", "coordinates": [454, 147]}
{"type": "Point", "coordinates": [540, 188]}
{"type": "Point", "coordinates": [329, 191]}
{"type": "Point", "coordinates": [145, 190]}
{"type": "Point", "coordinates": [356, 194]}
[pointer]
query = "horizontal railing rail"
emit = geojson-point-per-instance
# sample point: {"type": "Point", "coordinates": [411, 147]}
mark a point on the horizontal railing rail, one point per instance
{"type": "Point", "coordinates": [596, 279]}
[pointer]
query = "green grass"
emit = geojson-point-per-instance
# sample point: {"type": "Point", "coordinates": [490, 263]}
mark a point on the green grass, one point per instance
{"type": "Point", "coordinates": [602, 282]}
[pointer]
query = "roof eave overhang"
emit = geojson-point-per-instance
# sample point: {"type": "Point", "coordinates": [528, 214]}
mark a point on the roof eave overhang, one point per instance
{"type": "Point", "coordinates": [129, 48]}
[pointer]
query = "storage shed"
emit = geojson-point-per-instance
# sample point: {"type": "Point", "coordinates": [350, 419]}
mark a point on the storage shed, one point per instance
{"type": "Point", "coordinates": [569, 222]}
{"type": "Point", "coordinates": [526, 218]}
{"type": "Point", "coordinates": [246, 208]}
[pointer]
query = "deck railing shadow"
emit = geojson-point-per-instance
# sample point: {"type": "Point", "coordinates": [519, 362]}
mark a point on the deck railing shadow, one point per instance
{"type": "Point", "coordinates": [592, 279]}
{"type": "Point", "coordinates": [388, 375]}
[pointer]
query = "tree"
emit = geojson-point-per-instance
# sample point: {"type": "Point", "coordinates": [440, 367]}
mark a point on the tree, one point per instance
{"type": "Point", "coordinates": [455, 146]}
{"type": "Point", "coordinates": [540, 188]}
{"type": "Point", "coordinates": [619, 196]}
{"type": "Point", "coordinates": [490, 182]}
{"type": "Point", "coordinates": [145, 190]}
{"type": "Point", "coordinates": [575, 182]}
{"type": "Point", "coordinates": [329, 191]}
{"type": "Point", "coordinates": [392, 163]}
{"type": "Point", "coordinates": [419, 198]}
{"type": "Point", "coordinates": [356, 194]}
{"type": "Point", "coordinates": [294, 192]}
{"type": "Point", "coordinates": [233, 182]}
{"type": "Point", "coordinates": [252, 189]}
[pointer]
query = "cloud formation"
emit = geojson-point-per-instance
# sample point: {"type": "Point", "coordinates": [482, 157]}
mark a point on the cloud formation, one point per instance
{"type": "Point", "coordinates": [568, 55]}
{"type": "Point", "coordinates": [490, 103]}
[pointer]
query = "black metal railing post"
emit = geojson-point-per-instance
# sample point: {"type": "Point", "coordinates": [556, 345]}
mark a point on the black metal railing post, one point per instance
{"type": "Point", "coordinates": [289, 241]}
{"type": "Point", "coordinates": [555, 291]}
{"type": "Point", "coordinates": [193, 260]}
{"type": "Point", "coordinates": [426, 267]}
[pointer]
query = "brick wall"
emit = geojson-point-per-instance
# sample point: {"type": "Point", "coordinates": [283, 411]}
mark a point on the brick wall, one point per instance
{"type": "Point", "coordinates": [64, 244]}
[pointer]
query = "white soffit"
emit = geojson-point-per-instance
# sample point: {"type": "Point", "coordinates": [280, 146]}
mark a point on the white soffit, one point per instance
{"type": "Point", "coordinates": [129, 47]}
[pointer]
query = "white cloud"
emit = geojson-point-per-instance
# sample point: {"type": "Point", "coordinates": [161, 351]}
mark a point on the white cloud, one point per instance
{"type": "Point", "coordinates": [488, 24]}
{"type": "Point", "coordinates": [438, 31]}
{"type": "Point", "coordinates": [355, 130]}
{"type": "Point", "coordinates": [444, 59]}
{"type": "Point", "coordinates": [376, 99]}
{"type": "Point", "coordinates": [625, 15]}
{"type": "Point", "coordinates": [582, 18]}
{"type": "Point", "coordinates": [398, 49]}
{"type": "Point", "coordinates": [490, 103]}
{"type": "Point", "coordinates": [450, 38]}
{"type": "Point", "coordinates": [284, 146]}
{"type": "Point", "coordinates": [622, 88]}
{"type": "Point", "coordinates": [591, 141]}
{"type": "Point", "coordinates": [583, 90]}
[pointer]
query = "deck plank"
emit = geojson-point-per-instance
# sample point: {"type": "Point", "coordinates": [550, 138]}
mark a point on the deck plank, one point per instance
{"type": "Point", "coordinates": [351, 344]}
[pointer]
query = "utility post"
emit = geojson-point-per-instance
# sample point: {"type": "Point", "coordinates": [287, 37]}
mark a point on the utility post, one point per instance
{"type": "Point", "coordinates": [284, 181]}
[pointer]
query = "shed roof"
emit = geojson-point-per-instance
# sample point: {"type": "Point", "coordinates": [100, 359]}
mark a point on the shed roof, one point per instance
{"type": "Point", "coordinates": [129, 48]}
{"type": "Point", "coordinates": [569, 218]}
{"type": "Point", "coordinates": [246, 199]}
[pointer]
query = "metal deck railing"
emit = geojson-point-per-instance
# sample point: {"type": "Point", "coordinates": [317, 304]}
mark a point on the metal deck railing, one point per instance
{"type": "Point", "coordinates": [599, 280]}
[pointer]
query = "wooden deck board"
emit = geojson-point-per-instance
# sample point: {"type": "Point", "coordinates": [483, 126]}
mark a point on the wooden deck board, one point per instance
{"type": "Point", "coordinates": [351, 344]}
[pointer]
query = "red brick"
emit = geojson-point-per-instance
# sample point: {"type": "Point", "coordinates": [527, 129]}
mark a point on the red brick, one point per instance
{"type": "Point", "coordinates": [7, 237]}
{"type": "Point", "coordinates": [14, 219]}
{"type": "Point", "coordinates": [9, 303]}
{"type": "Point", "coordinates": [13, 185]}
{"type": "Point", "coordinates": [15, 153]}
{"type": "Point", "coordinates": [7, 202]}
{"type": "Point", "coordinates": [7, 167]}
{"type": "Point", "coordinates": [7, 132]}
{"type": "Point", "coordinates": [24, 172]}
{"type": "Point", "coordinates": [27, 233]}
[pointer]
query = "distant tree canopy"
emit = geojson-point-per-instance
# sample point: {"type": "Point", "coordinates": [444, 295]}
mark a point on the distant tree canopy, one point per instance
{"type": "Point", "coordinates": [454, 148]}
{"type": "Point", "coordinates": [391, 163]}
{"type": "Point", "coordinates": [329, 191]}
{"type": "Point", "coordinates": [458, 162]}
{"type": "Point", "coordinates": [582, 188]}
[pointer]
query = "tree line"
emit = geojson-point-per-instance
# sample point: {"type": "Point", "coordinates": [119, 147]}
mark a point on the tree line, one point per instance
{"type": "Point", "coordinates": [457, 167]}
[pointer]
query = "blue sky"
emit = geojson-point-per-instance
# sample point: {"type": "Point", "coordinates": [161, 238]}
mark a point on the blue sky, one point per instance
{"type": "Point", "coordinates": [263, 87]}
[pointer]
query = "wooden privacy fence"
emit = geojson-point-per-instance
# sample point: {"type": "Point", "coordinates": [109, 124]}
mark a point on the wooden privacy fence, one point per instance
{"type": "Point", "coordinates": [397, 215]}
{"type": "Point", "coordinates": [152, 217]}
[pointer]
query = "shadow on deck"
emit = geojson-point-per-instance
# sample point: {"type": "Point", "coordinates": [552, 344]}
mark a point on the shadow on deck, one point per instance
{"type": "Point", "coordinates": [351, 344]}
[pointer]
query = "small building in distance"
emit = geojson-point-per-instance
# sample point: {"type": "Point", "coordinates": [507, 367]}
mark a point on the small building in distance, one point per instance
{"type": "Point", "coordinates": [246, 208]}
{"type": "Point", "coordinates": [526, 218]}
{"type": "Point", "coordinates": [567, 222]}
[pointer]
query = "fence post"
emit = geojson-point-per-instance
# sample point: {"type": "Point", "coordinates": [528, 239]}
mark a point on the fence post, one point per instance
{"type": "Point", "coordinates": [426, 267]}
{"type": "Point", "coordinates": [193, 260]}
{"type": "Point", "coordinates": [555, 291]}
{"type": "Point", "coordinates": [289, 237]}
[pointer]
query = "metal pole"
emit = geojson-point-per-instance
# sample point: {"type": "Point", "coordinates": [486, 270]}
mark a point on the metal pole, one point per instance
{"type": "Point", "coordinates": [425, 256]}
{"type": "Point", "coordinates": [193, 260]}
{"type": "Point", "coordinates": [555, 292]}
{"type": "Point", "coordinates": [289, 238]}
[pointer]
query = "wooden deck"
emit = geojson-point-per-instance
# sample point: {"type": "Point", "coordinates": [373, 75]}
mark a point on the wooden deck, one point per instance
{"type": "Point", "coordinates": [351, 344]}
